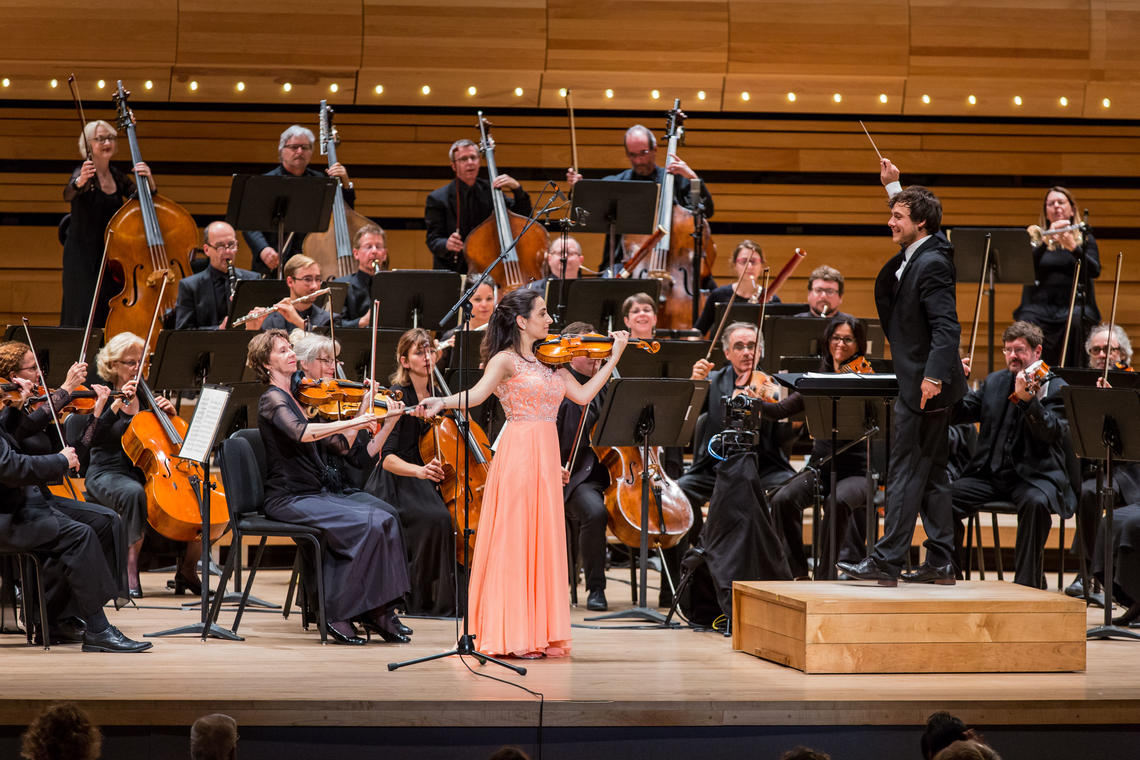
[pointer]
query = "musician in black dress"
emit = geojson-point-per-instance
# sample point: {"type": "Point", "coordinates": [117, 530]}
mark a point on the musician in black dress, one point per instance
{"type": "Point", "coordinates": [365, 571]}
{"type": "Point", "coordinates": [295, 151]}
{"type": "Point", "coordinates": [1045, 302]}
{"type": "Point", "coordinates": [846, 340]}
{"type": "Point", "coordinates": [747, 260]}
{"type": "Point", "coordinates": [95, 191]}
{"type": "Point", "coordinates": [408, 483]}
{"type": "Point", "coordinates": [452, 211]}
{"type": "Point", "coordinates": [204, 297]}
{"type": "Point", "coordinates": [370, 250]}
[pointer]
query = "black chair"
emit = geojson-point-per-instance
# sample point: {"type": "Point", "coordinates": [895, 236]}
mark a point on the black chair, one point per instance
{"type": "Point", "coordinates": [243, 474]}
{"type": "Point", "coordinates": [27, 561]}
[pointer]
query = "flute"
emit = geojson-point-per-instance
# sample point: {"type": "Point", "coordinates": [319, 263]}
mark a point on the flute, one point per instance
{"type": "Point", "coordinates": [265, 311]}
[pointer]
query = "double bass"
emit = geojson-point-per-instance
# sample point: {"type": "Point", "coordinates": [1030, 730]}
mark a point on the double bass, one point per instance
{"type": "Point", "coordinates": [332, 249]}
{"type": "Point", "coordinates": [671, 259]}
{"type": "Point", "coordinates": [523, 263]}
{"type": "Point", "coordinates": [149, 239]}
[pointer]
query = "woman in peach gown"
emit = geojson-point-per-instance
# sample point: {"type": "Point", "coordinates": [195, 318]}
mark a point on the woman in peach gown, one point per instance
{"type": "Point", "coordinates": [519, 601]}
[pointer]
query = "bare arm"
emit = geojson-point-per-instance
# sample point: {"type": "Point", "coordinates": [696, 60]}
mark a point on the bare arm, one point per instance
{"type": "Point", "coordinates": [583, 393]}
{"type": "Point", "coordinates": [499, 368]}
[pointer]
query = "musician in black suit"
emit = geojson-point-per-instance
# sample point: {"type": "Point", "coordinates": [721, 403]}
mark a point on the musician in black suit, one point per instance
{"type": "Point", "coordinates": [204, 298]}
{"type": "Point", "coordinates": [370, 249]}
{"type": "Point", "coordinates": [295, 151]}
{"type": "Point", "coordinates": [452, 211]}
{"type": "Point", "coordinates": [303, 277]}
{"type": "Point", "coordinates": [1022, 453]}
{"type": "Point", "coordinates": [915, 297]}
{"type": "Point", "coordinates": [641, 150]}
{"type": "Point", "coordinates": [76, 570]}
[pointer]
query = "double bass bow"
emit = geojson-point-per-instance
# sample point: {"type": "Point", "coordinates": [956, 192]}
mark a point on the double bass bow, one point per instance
{"type": "Point", "coordinates": [671, 259]}
{"type": "Point", "coordinates": [149, 239]}
{"type": "Point", "coordinates": [332, 249]}
{"type": "Point", "coordinates": [523, 262]}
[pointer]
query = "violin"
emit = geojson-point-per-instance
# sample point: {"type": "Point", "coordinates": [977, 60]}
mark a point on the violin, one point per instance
{"type": "Point", "coordinates": [341, 399]}
{"type": "Point", "coordinates": [10, 393]}
{"type": "Point", "coordinates": [1122, 367]}
{"type": "Point", "coordinates": [761, 385]}
{"type": "Point", "coordinates": [82, 400]}
{"type": "Point", "coordinates": [1036, 375]}
{"type": "Point", "coordinates": [560, 349]}
{"type": "Point", "coordinates": [859, 365]}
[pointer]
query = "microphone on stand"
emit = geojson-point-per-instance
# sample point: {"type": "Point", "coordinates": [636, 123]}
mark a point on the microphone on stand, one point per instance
{"type": "Point", "coordinates": [695, 194]}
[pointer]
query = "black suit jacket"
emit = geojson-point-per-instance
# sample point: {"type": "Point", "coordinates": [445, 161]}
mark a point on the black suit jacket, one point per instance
{"type": "Point", "coordinates": [475, 207]}
{"type": "Point", "coordinates": [1037, 441]}
{"type": "Point", "coordinates": [197, 306]}
{"type": "Point", "coordinates": [569, 415]}
{"type": "Point", "coordinates": [358, 299]}
{"type": "Point", "coordinates": [772, 434]}
{"type": "Point", "coordinates": [919, 315]}
{"type": "Point", "coordinates": [23, 527]}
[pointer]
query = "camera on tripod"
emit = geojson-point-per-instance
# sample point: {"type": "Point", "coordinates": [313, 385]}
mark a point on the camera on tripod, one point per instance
{"type": "Point", "coordinates": [742, 425]}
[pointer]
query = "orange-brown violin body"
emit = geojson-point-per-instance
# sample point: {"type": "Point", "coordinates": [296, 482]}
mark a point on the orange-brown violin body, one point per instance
{"type": "Point", "coordinates": [560, 349]}
{"type": "Point", "coordinates": [860, 365]}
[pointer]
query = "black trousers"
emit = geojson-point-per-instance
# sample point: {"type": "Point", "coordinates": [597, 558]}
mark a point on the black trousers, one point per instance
{"type": "Point", "coordinates": [1033, 520]}
{"type": "Point", "coordinates": [1088, 517]}
{"type": "Point", "coordinates": [111, 534]}
{"type": "Point", "coordinates": [918, 484]}
{"type": "Point", "coordinates": [788, 505]}
{"type": "Point", "coordinates": [586, 506]}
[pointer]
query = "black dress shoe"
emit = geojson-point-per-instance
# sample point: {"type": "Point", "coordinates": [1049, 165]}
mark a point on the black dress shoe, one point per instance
{"type": "Point", "coordinates": [400, 628]}
{"type": "Point", "coordinates": [924, 573]}
{"type": "Point", "coordinates": [341, 637]}
{"type": "Point", "coordinates": [112, 640]}
{"type": "Point", "coordinates": [1129, 617]}
{"type": "Point", "coordinates": [596, 601]}
{"type": "Point", "coordinates": [69, 630]}
{"type": "Point", "coordinates": [869, 570]}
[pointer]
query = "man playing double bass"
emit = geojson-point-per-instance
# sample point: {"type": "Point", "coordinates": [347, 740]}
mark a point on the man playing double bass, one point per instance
{"type": "Point", "coordinates": [452, 211]}
{"type": "Point", "coordinates": [641, 150]}
{"type": "Point", "coordinates": [295, 150]}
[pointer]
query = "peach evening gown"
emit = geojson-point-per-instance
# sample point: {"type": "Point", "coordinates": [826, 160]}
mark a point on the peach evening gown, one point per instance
{"type": "Point", "coordinates": [520, 597]}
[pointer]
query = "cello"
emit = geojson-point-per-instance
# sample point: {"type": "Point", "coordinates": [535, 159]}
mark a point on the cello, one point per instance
{"type": "Point", "coordinates": [332, 249]}
{"type": "Point", "coordinates": [149, 239]}
{"type": "Point", "coordinates": [671, 259]}
{"type": "Point", "coordinates": [523, 263]}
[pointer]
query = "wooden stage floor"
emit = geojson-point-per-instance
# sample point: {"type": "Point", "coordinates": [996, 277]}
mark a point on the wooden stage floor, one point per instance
{"type": "Point", "coordinates": [281, 676]}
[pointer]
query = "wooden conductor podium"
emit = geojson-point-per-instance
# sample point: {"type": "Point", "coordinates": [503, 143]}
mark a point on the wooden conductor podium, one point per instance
{"type": "Point", "coordinates": [848, 627]}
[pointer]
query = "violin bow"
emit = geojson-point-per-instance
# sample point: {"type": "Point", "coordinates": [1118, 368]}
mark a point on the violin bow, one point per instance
{"type": "Point", "coordinates": [759, 328]}
{"type": "Point", "coordinates": [51, 406]}
{"type": "Point", "coordinates": [1072, 307]}
{"type": "Point", "coordinates": [1111, 318]}
{"type": "Point", "coordinates": [978, 302]}
{"type": "Point", "coordinates": [150, 333]}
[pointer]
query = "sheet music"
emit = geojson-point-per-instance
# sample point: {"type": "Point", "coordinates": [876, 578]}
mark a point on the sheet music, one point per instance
{"type": "Point", "coordinates": [848, 375]}
{"type": "Point", "coordinates": [199, 441]}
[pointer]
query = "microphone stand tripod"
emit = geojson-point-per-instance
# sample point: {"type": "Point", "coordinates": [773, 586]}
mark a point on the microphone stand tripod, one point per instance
{"type": "Point", "coordinates": [466, 643]}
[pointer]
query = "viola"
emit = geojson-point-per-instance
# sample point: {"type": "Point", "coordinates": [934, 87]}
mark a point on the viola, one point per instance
{"type": "Point", "coordinates": [152, 442]}
{"type": "Point", "coordinates": [670, 514]}
{"type": "Point", "coordinates": [560, 349]}
{"type": "Point", "coordinates": [860, 365]}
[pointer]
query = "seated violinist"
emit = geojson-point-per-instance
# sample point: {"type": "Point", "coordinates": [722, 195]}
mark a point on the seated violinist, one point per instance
{"type": "Point", "coordinates": [1022, 451]}
{"type": "Point", "coordinates": [112, 477]}
{"type": "Point", "coordinates": [204, 298]}
{"type": "Point", "coordinates": [748, 261]}
{"type": "Point", "coordinates": [740, 346]}
{"type": "Point", "coordinates": [370, 250]}
{"type": "Point", "coordinates": [846, 341]}
{"type": "Point", "coordinates": [584, 484]}
{"type": "Point", "coordinates": [365, 568]}
{"type": "Point", "coordinates": [303, 276]}
{"type": "Point", "coordinates": [1120, 353]}
{"type": "Point", "coordinates": [409, 484]}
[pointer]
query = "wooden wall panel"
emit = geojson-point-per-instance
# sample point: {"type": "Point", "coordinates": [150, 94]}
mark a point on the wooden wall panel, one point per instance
{"type": "Point", "coordinates": [108, 32]}
{"type": "Point", "coordinates": [674, 36]}
{"type": "Point", "coordinates": [823, 37]}
{"type": "Point", "coordinates": [269, 34]}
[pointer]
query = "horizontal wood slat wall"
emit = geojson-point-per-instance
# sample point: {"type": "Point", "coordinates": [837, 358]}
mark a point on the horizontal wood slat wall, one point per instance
{"type": "Point", "coordinates": [787, 183]}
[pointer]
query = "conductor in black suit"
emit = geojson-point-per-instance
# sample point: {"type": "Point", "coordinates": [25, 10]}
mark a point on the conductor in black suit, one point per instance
{"type": "Point", "coordinates": [204, 298]}
{"type": "Point", "coordinates": [915, 297]}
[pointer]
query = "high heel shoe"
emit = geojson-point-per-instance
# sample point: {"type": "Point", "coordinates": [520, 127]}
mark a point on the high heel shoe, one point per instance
{"type": "Point", "coordinates": [390, 635]}
{"type": "Point", "coordinates": [399, 626]}
{"type": "Point", "coordinates": [135, 592]}
{"type": "Point", "coordinates": [340, 637]}
{"type": "Point", "coordinates": [183, 583]}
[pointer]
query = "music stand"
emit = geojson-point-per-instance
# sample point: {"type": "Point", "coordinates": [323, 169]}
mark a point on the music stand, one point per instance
{"type": "Point", "coordinates": [356, 351]}
{"type": "Point", "coordinates": [198, 446]}
{"type": "Point", "coordinates": [1104, 424]}
{"type": "Point", "coordinates": [675, 359]}
{"type": "Point", "coordinates": [1086, 378]}
{"type": "Point", "coordinates": [472, 341]}
{"type": "Point", "coordinates": [415, 297]}
{"type": "Point", "coordinates": [61, 344]}
{"type": "Point", "coordinates": [615, 207]}
{"type": "Point", "coordinates": [267, 202]}
{"type": "Point", "coordinates": [188, 359]}
{"type": "Point", "coordinates": [241, 411]}
{"type": "Point", "coordinates": [597, 301]}
{"type": "Point", "coordinates": [253, 294]}
{"type": "Point", "coordinates": [1010, 262]}
{"type": "Point", "coordinates": [644, 412]}
{"type": "Point", "coordinates": [746, 311]}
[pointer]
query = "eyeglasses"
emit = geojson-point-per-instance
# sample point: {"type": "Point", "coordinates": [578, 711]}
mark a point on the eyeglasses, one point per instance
{"type": "Point", "coordinates": [846, 340]}
{"type": "Point", "coordinates": [1098, 350]}
{"type": "Point", "coordinates": [639, 153]}
{"type": "Point", "coordinates": [743, 346]}
{"type": "Point", "coordinates": [316, 280]}
{"type": "Point", "coordinates": [825, 291]}
{"type": "Point", "coordinates": [128, 362]}
{"type": "Point", "coordinates": [303, 147]}
{"type": "Point", "coordinates": [28, 368]}
{"type": "Point", "coordinates": [1013, 351]}
{"type": "Point", "coordinates": [103, 139]}
{"type": "Point", "coordinates": [323, 360]}
{"type": "Point", "coordinates": [230, 246]}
